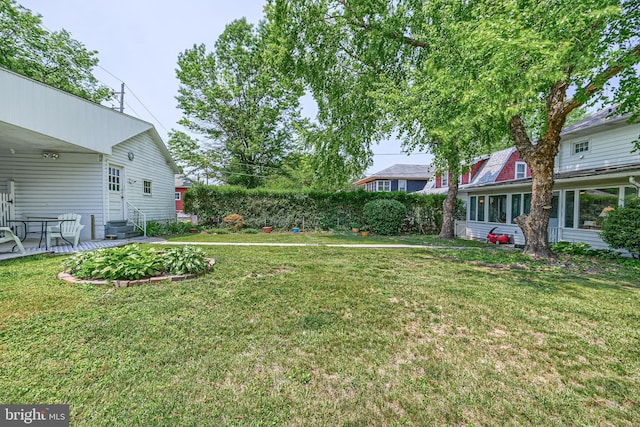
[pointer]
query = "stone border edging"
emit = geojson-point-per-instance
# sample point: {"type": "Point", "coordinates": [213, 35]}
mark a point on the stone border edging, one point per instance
{"type": "Point", "coordinates": [127, 283]}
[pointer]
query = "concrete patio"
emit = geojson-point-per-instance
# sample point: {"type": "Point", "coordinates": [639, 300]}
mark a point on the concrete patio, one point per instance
{"type": "Point", "coordinates": [32, 246]}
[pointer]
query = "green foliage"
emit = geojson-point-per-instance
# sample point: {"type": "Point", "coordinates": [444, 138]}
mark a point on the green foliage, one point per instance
{"type": "Point", "coordinates": [249, 231]}
{"type": "Point", "coordinates": [458, 77]}
{"type": "Point", "coordinates": [582, 248]}
{"type": "Point", "coordinates": [135, 262]}
{"type": "Point", "coordinates": [183, 260]}
{"type": "Point", "coordinates": [53, 58]}
{"type": "Point", "coordinates": [384, 216]}
{"type": "Point", "coordinates": [120, 263]}
{"type": "Point", "coordinates": [155, 228]}
{"type": "Point", "coordinates": [569, 248]}
{"type": "Point", "coordinates": [312, 210]}
{"type": "Point", "coordinates": [621, 227]}
{"type": "Point", "coordinates": [247, 112]}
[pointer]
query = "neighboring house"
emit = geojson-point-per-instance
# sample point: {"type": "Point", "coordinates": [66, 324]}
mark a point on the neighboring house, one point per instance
{"type": "Point", "coordinates": [500, 166]}
{"type": "Point", "coordinates": [409, 178]}
{"type": "Point", "coordinates": [182, 184]}
{"type": "Point", "coordinates": [60, 153]}
{"type": "Point", "coordinates": [595, 171]}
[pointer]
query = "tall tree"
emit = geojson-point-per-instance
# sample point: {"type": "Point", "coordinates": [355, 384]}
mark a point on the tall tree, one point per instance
{"type": "Point", "coordinates": [247, 113]}
{"type": "Point", "coordinates": [53, 58]}
{"type": "Point", "coordinates": [525, 65]}
{"type": "Point", "coordinates": [371, 79]}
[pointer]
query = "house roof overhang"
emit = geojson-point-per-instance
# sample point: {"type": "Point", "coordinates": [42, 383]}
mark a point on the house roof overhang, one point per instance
{"type": "Point", "coordinates": [35, 117]}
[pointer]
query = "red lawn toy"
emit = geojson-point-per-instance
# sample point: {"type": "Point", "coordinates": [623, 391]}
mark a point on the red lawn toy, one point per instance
{"type": "Point", "coordinates": [497, 238]}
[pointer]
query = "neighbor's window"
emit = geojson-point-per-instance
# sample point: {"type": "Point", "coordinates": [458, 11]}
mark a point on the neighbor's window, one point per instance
{"type": "Point", "coordinates": [521, 170]}
{"type": "Point", "coordinates": [595, 205]}
{"type": "Point", "coordinates": [444, 180]}
{"type": "Point", "coordinates": [146, 187]}
{"type": "Point", "coordinates": [402, 185]}
{"type": "Point", "coordinates": [383, 185]}
{"type": "Point", "coordinates": [569, 203]}
{"type": "Point", "coordinates": [480, 208]}
{"type": "Point", "coordinates": [520, 204]}
{"type": "Point", "coordinates": [630, 192]}
{"type": "Point", "coordinates": [498, 208]}
{"type": "Point", "coordinates": [473, 208]}
{"type": "Point", "coordinates": [516, 206]}
{"type": "Point", "coordinates": [580, 147]}
{"type": "Point", "coordinates": [114, 179]}
{"type": "Point", "coordinates": [178, 195]}
{"type": "Point", "coordinates": [526, 203]}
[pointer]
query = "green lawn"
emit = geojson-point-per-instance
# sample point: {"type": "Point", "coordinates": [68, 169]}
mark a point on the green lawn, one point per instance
{"type": "Point", "coordinates": [325, 239]}
{"type": "Point", "coordinates": [331, 336]}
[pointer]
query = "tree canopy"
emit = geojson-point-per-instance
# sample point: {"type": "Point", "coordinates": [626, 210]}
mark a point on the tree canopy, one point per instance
{"type": "Point", "coordinates": [463, 72]}
{"type": "Point", "coordinates": [54, 58]}
{"type": "Point", "coordinates": [247, 113]}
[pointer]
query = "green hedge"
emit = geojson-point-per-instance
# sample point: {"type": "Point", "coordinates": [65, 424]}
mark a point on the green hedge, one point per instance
{"type": "Point", "coordinates": [306, 210]}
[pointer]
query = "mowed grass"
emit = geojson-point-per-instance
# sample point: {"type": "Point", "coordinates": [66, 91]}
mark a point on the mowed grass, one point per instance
{"type": "Point", "coordinates": [312, 238]}
{"type": "Point", "coordinates": [330, 336]}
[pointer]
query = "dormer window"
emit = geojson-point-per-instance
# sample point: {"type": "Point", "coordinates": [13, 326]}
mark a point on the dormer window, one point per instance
{"type": "Point", "coordinates": [580, 147]}
{"type": "Point", "coordinates": [521, 170]}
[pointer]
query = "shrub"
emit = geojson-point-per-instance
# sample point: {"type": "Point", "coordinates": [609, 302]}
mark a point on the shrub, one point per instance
{"type": "Point", "coordinates": [134, 262]}
{"type": "Point", "coordinates": [155, 228]}
{"type": "Point", "coordinates": [621, 227]}
{"type": "Point", "coordinates": [384, 216]}
{"type": "Point", "coordinates": [579, 248]}
{"type": "Point", "coordinates": [234, 221]}
{"type": "Point", "coordinates": [184, 260]}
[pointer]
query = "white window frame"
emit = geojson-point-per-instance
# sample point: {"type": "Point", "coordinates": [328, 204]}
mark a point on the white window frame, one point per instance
{"type": "Point", "coordinates": [402, 185]}
{"type": "Point", "coordinates": [524, 171]}
{"type": "Point", "coordinates": [145, 187]}
{"type": "Point", "coordinates": [580, 148]}
{"type": "Point", "coordinates": [178, 196]}
{"type": "Point", "coordinates": [115, 179]}
{"type": "Point", "coordinates": [383, 185]}
{"type": "Point", "coordinates": [444, 179]}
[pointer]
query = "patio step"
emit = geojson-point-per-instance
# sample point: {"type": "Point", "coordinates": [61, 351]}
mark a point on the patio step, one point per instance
{"type": "Point", "coordinates": [120, 230]}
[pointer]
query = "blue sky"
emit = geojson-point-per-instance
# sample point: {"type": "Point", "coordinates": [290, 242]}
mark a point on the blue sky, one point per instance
{"type": "Point", "coordinates": [139, 41]}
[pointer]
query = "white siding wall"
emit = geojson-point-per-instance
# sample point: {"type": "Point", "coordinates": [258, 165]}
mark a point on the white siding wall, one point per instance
{"type": "Point", "coordinates": [148, 164]}
{"type": "Point", "coordinates": [591, 237]}
{"type": "Point", "coordinates": [608, 148]}
{"type": "Point", "coordinates": [47, 187]}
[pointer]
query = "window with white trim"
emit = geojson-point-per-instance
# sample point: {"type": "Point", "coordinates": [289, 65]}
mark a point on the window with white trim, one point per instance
{"type": "Point", "coordinates": [383, 185]}
{"type": "Point", "coordinates": [580, 147]}
{"type": "Point", "coordinates": [521, 170]}
{"type": "Point", "coordinates": [444, 180]}
{"type": "Point", "coordinates": [114, 179]}
{"type": "Point", "coordinates": [476, 208]}
{"type": "Point", "coordinates": [146, 187]}
{"type": "Point", "coordinates": [178, 195]}
{"type": "Point", "coordinates": [402, 185]}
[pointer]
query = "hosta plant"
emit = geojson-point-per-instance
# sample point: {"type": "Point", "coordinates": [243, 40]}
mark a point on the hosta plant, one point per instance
{"type": "Point", "coordinates": [135, 262]}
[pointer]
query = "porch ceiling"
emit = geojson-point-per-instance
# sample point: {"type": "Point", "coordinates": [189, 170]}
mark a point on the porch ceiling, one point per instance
{"type": "Point", "coordinates": [24, 141]}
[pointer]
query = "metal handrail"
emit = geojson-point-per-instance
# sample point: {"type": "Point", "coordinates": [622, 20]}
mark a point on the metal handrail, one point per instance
{"type": "Point", "coordinates": [137, 218]}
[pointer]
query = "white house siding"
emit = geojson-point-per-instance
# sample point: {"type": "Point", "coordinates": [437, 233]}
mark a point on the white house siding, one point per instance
{"type": "Point", "coordinates": [48, 187]}
{"type": "Point", "coordinates": [609, 148]}
{"type": "Point", "coordinates": [148, 164]}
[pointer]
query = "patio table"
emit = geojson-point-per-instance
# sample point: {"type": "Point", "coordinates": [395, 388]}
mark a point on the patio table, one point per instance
{"type": "Point", "coordinates": [44, 222]}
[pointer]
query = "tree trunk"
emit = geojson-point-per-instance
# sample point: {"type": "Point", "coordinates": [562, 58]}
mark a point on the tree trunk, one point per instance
{"type": "Point", "coordinates": [448, 230]}
{"type": "Point", "coordinates": [541, 159]}
{"type": "Point", "coordinates": [535, 225]}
